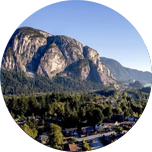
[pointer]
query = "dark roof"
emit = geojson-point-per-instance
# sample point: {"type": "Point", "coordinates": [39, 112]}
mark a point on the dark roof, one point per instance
{"type": "Point", "coordinates": [107, 138]}
{"type": "Point", "coordinates": [131, 117]}
{"type": "Point", "coordinates": [88, 128]}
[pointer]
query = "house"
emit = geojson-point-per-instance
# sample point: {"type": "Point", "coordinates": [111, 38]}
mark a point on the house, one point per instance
{"type": "Point", "coordinates": [71, 131]}
{"type": "Point", "coordinates": [72, 147]}
{"type": "Point", "coordinates": [100, 127]}
{"type": "Point", "coordinates": [127, 128]}
{"type": "Point", "coordinates": [100, 101]}
{"type": "Point", "coordinates": [116, 123]}
{"type": "Point", "coordinates": [113, 125]}
{"type": "Point", "coordinates": [114, 104]}
{"type": "Point", "coordinates": [131, 118]}
{"type": "Point", "coordinates": [43, 138]}
{"type": "Point", "coordinates": [21, 122]}
{"type": "Point", "coordinates": [118, 118]}
{"type": "Point", "coordinates": [87, 130]}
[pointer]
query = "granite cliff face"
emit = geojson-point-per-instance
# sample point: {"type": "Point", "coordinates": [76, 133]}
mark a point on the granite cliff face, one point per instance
{"type": "Point", "coordinates": [36, 52]}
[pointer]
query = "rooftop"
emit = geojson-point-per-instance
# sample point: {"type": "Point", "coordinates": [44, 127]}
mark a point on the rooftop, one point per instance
{"type": "Point", "coordinates": [74, 147]}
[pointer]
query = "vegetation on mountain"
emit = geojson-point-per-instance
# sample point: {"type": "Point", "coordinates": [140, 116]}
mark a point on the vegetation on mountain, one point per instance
{"type": "Point", "coordinates": [18, 83]}
{"type": "Point", "coordinates": [146, 89]}
{"type": "Point", "coordinates": [37, 52]}
{"type": "Point", "coordinates": [136, 84]}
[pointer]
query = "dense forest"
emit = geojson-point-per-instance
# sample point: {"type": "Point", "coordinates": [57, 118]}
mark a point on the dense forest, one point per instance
{"type": "Point", "coordinates": [74, 108]}
{"type": "Point", "coordinates": [18, 83]}
{"type": "Point", "coordinates": [146, 89]}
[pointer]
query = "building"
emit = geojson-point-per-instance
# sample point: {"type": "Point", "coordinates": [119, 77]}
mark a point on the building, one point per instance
{"type": "Point", "coordinates": [43, 139]}
{"type": "Point", "coordinates": [116, 123]}
{"type": "Point", "coordinates": [100, 127]}
{"type": "Point", "coordinates": [131, 118]}
{"type": "Point", "coordinates": [87, 130]}
{"type": "Point", "coordinates": [71, 131]}
{"type": "Point", "coordinates": [72, 147]}
{"type": "Point", "coordinates": [118, 118]}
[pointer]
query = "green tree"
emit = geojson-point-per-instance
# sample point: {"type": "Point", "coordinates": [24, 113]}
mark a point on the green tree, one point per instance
{"type": "Point", "coordinates": [97, 116]}
{"type": "Point", "coordinates": [41, 100]}
{"type": "Point", "coordinates": [126, 113]}
{"type": "Point", "coordinates": [31, 132]}
{"type": "Point", "coordinates": [85, 146]}
{"type": "Point", "coordinates": [108, 112]}
{"type": "Point", "coordinates": [119, 129]}
{"type": "Point", "coordinates": [33, 102]}
{"type": "Point", "coordinates": [119, 111]}
{"type": "Point", "coordinates": [55, 136]}
{"type": "Point", "coordinates": [32, 123]}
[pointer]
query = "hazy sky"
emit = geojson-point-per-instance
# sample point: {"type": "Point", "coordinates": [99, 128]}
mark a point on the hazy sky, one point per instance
{"type": "Point", "coordinates": [97, 26]}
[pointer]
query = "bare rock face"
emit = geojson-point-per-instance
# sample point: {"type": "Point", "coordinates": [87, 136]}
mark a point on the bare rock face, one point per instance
{"type": "Point", "coordinates": [78, 70]}
{"type": "Point", "coordinates": [52, 62]}
{"type": "Point", "coordinates": [37, 52]}
{"type": "Point", "coordinates": [71, 49]}
{"type": "Point", "coordinates": [84, 72]}
{"type": "Point", "coordinates": [99, 72]}
{"type": "Point", "coordinates": [22, 49]}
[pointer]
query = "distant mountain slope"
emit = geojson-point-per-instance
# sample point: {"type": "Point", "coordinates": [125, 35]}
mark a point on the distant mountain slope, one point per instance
{"type": "Point", "coordinates": [136, 84]}
{"type": "Point", "coordinates": [121, 73]}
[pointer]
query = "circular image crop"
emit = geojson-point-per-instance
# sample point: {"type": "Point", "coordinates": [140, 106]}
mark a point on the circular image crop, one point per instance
{"type": "Point", "coordinates": [76, 76]}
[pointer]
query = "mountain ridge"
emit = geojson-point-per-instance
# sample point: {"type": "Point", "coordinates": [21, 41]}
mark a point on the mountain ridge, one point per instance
{"type": "Point", "coordinates": [125, 74]}
{"type": "Point", "coordinates": [34, 52]}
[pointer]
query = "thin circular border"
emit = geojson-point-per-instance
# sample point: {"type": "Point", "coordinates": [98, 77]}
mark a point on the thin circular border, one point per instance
{"type": "Point", "coordinates": [50, 5]}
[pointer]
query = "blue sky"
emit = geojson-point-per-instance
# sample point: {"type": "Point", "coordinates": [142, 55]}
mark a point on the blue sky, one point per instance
{"type": "Point", "coordinates": [97, 26]}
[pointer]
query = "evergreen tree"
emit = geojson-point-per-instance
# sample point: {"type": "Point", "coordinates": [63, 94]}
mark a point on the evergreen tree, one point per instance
{"type": "Point", "coordinates": [31, 132]}
{"type": "Point", "coordinates": [55, 136]}
{"type": "Point", "coordinates": [97, 116]}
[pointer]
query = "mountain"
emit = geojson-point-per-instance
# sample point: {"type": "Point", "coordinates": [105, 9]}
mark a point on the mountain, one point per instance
{"type": "Point", "coordinates": [136, 85]}
{"type": "Point", "coordinates": [124, 74]}
{"type": "Point", "coordinates": [35, 52]}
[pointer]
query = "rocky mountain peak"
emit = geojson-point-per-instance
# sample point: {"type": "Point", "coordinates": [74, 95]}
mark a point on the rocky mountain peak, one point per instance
{"type": "Point", "coordinates": [37, 52]}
